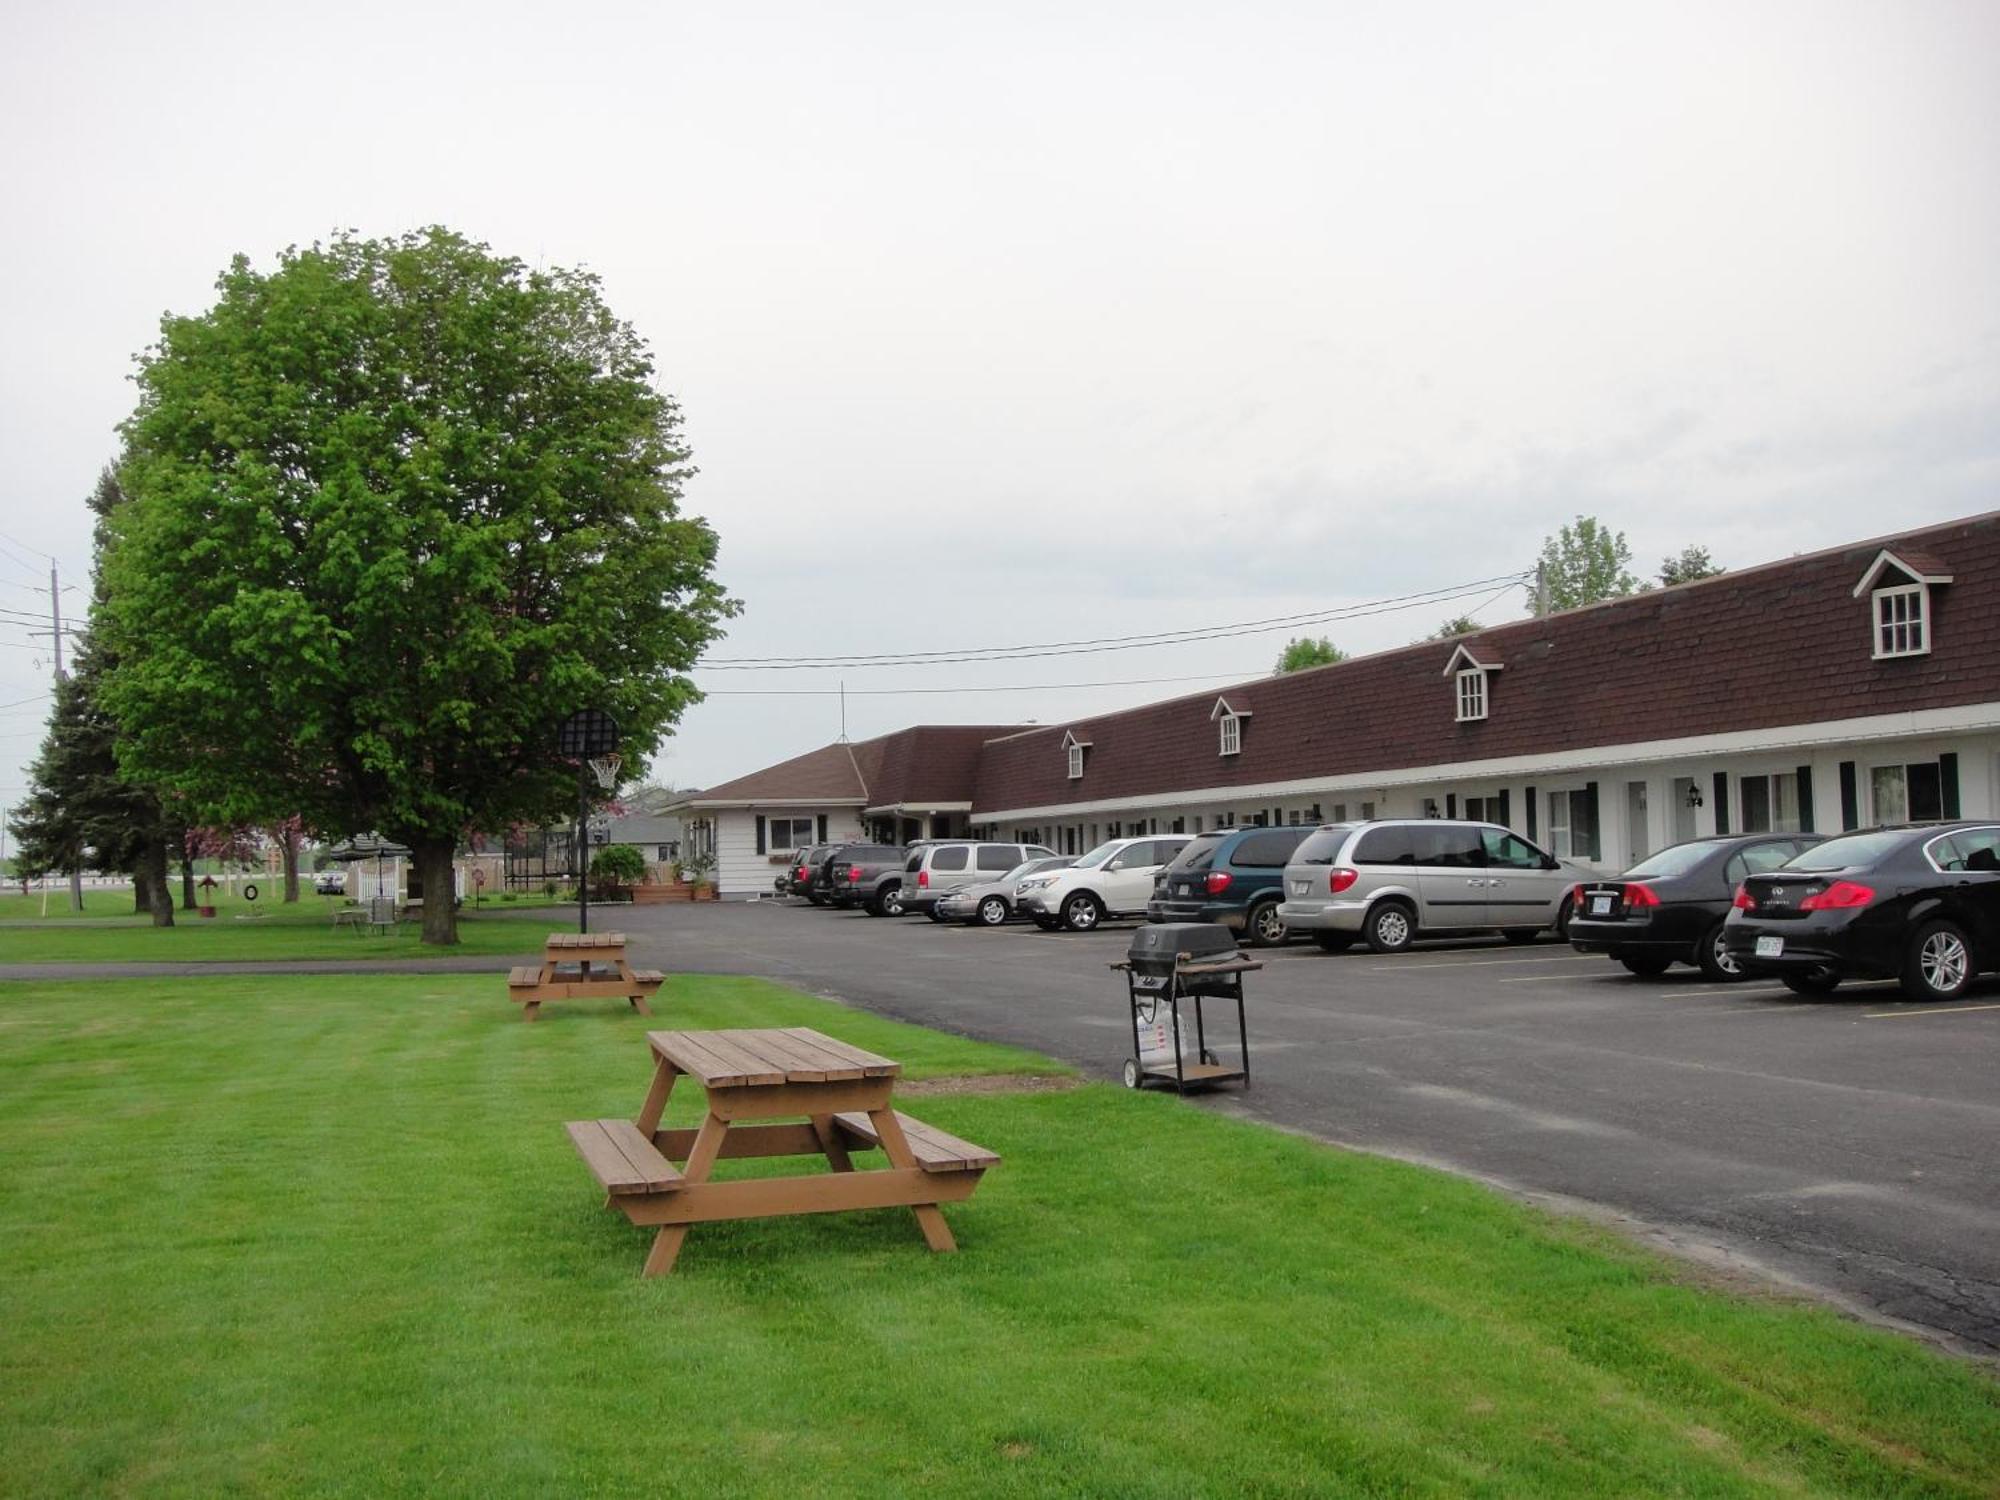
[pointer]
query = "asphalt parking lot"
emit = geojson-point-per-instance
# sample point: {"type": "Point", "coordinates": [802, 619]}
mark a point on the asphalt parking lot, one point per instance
{"type": "Point", "coordinates": [1844, 1144]}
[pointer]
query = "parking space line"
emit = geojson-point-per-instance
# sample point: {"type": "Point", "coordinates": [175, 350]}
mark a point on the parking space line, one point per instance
{"type": "Point", "coordinates": [1488, 963]}
{"type": "Point", "coordinates": [1936, 1010]}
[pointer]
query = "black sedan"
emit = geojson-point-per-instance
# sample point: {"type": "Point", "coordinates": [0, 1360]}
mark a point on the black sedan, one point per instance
{"type": "Point", "coordinates": [1919, 904]}
{"type": "Point", "coordinates": [1669, 908]}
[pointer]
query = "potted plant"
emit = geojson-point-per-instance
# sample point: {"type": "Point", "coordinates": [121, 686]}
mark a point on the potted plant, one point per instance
{"type": "Point", "coordinates": [698, 869]}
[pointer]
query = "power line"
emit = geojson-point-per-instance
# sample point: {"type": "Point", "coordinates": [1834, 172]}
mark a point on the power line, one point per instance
{"type": "Point", "coordinates": [1092, 646]}
{"type": "Point", "coordinates": [1017, 687]}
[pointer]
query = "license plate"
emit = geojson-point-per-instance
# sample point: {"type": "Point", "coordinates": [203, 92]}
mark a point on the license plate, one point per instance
{"type": "Point", "coordinates": [1600, 906]}
{"type": "Point", "coordinates": [1186, 888]}
{"type": "Point", "coordinates": [1770, 947]}
{"type": "Point", "coordinates": [1300, 887]}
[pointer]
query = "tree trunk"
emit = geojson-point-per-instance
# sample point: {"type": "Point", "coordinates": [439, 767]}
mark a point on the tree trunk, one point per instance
{"type": "Point", "coordinates": [187, 884]}
{"type": "Point", "coordinates": [289, 839]}
{"type": "Point", "coordinates": [142, 896]}
{"type": "Point", "coordinates": [157, 889]}
{"type": "Point", "coordinates": [433, 863]}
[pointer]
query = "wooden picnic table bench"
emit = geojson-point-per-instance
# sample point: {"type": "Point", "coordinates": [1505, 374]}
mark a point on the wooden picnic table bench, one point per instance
{"type": "Point", "coordinates": [580, 966]}
{"type": "Point", "coordinates": [789, 1092]}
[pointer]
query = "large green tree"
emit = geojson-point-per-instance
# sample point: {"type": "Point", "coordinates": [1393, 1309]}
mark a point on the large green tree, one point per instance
{"type": "Point", "coordinates": [1303, 651]}
{"type": "Point", "coordinates": [399, 507]}
{"type": "Point", "coordinates": [1581, 564]}
{"type": "Point", "coordinates": [81, 805]}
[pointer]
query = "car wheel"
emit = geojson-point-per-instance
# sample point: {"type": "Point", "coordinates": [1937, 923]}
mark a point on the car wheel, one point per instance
{"type": "Point", "coordinates": [1521, 934]}
{"type": "Point", "coordinates": [1718, 965]}
{"type": "Point", "coordinates": [1082, 912]}
{"type": "Point", "coordinates": [1939, 965]}
{"type": "Point", "coordinates": [1391, 927]}
{"type": "Point", "coordinates": [1820, 981]}
{"type": "Point", "coordinates": [1648, 967]}
{"type": "Point", "coordinates": [1334, 942]}
{"type": "Point", "coordinates": [1264, 927]}
{"type": "Point", "coordinates": [1562, 920]}
{"type": "Point", "coordinates": [993, 911]}
{"type": "Point", "coordinates": [890, 901]}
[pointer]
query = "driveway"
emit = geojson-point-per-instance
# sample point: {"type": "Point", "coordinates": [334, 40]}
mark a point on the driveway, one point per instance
{"type": "Point", "coordinates": [1845, 1145]}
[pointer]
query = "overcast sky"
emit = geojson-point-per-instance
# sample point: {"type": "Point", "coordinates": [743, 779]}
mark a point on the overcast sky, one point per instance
{"type": "Point", "coordinates": [1038, 322]}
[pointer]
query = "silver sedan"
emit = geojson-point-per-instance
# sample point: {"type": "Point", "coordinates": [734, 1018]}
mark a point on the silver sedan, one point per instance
{"type": "Point", "coordinates": [992, 903]}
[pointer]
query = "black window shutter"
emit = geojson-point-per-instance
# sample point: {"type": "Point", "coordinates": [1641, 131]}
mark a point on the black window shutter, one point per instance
{"type": "Point", "coordinates": [1529, 798]}
{"type": "Point", "coordinates": [1451, 804]}
{"type": "Point", "coordinates": [1504, 820]}
{"type": "Point", "coordinates": [1722, 802]}
{"type": "Point", "coordinates": [1805, 800]}
{"type": "Point", "coordinates": [822, 829]}
{"type": "Point", "coordinates": [1850, 798]}
{"type": "Point", "coordinates": [1948, 784]}
{"type": "Point", "coordinates": [760, 833]}
{"type": "Point", "coordinates": [1590, 805]}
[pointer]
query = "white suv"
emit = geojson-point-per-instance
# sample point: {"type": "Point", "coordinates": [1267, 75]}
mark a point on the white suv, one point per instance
{"type": "Point", "coordinates": [1114, 880]}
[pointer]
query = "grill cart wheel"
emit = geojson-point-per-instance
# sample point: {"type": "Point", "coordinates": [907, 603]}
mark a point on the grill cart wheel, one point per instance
{"type": "Point", "coordinates": [1131, 1072]}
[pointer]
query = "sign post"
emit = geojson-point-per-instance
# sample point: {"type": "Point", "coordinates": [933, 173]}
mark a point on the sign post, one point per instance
{"type": "Point", "coordinates": [590, 737]}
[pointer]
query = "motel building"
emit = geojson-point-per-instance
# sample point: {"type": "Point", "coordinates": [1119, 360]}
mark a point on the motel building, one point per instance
{"type": "Point", "coordinates": [1824, 692]}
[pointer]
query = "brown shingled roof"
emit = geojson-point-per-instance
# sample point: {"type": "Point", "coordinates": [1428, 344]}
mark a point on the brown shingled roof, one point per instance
{"type": "Point", "coordinates": [1783, 643]}
{"type": "Point", "coordinates": [928, 763]}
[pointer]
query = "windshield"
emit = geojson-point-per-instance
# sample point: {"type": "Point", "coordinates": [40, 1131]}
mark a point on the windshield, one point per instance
{"type": "Point", "coordinates": [1855, 849]}
{"type": "Point", "coordinates": [1199, 853]}
{"type": "Point", "coordinates": [1322, 846]}
{"type": "Point", "coordinates": [1099, 855]}
{"type": "Point", "coordinates": [1037, 866]}
{"type": "Point", "coordinates": [1675, 861]}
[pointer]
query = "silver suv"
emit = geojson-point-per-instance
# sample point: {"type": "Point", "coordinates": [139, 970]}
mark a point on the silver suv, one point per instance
{"type": "Point", "coordinates": [936, 869]}
{"type": "Point", "coordinates": [1388, 882]}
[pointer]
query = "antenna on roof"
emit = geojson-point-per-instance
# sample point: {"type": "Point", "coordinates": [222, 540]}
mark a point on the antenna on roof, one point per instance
{"type": "Point", "coordinates": [843, 709]}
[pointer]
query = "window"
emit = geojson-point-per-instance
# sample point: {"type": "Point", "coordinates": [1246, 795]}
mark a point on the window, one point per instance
{"type": "Point", "coordinates": [1907, 794]}
{"type": "Point", "coordinates": [1232, 734]}
{"type": "Point", "coordinates": [1902, 620]}
{"type": "Point", "coordinates": [1973, 849]}
{"type": "Point", "coordinates": [999, 856]}
{"type": "Point", "coordinates": [1450, 846]}
{"type": "Point", "coordinates": [1390, 845]}
{"type": "Point", "coordinates": [1266, 850]}
{"type": "Point", "coordinates": [1484, 810]}
{"type": "Point", "coordinates": [1757, 860]}
{"type": "Point", "coordinates": [950, 857]}
{"type": "Point", "coordinates": [1471, 694]}
{"type": "Point", "coordinates": [790, 833]}
{"type": "Point", "coordinates": [1573, 825]}
{"type": "Point", "coordinates": [1770, 803]}
{"type": "Point", "coordinates": [1076, 762]}
{"type": "Point", "coordinates": [1506, 852]}
{"type": "Point", "coordinates": [669, 853]}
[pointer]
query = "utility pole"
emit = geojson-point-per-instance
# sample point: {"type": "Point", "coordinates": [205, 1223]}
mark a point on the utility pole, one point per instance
{"type": "Point", "coordinates": [843, 708]}
{"type": "Point", "coordinates": [1541, 588]}
{"type": "Point", "coordinates": [55, 616]}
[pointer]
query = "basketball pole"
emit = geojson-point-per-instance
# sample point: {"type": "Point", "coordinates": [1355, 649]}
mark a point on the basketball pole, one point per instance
{"type": "Point", "coordinates": [582, 848]}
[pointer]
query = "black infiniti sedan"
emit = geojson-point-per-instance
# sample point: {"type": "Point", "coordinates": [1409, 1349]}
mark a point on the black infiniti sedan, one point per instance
{"type": "Point", "coordinates": [1919, 904]}
{"type": "Point", "coordinates": [1669, 908]}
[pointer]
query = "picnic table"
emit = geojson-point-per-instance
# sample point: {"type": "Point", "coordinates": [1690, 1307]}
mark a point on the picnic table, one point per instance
{"type": "Point", "coordinates": [580, 965]}
{"type": "Point", "coordinates": [805, 1094]}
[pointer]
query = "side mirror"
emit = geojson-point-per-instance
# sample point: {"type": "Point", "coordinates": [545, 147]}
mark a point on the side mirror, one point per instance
{"type": "Point", "coordinates": [1550, 862]}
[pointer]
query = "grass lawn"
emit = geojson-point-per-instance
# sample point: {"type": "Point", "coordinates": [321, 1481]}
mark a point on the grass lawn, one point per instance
{"type": "Point", "coordinates": [326, 1236]}
{"type": "Point", "coordinates": [106, 931]}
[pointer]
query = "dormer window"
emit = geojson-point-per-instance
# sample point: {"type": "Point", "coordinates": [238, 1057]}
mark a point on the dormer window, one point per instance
{"type": "Point", "coordinates": [1898, 585]}
{"type": "Point", "coordinates": [1074, 748]}
{"type": "Point", "coordinates": [1471, 694]}
{"type": "Point", "coordinates": [1469, 673]}
{"type": "Point", "coordinates": [1230, 710]}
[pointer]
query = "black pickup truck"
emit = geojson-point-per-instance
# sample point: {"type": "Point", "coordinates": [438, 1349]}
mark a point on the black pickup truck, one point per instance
{"type": "Point", "coordinates": [869, 876]}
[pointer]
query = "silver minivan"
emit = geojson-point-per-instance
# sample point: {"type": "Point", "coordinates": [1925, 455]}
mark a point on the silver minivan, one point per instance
{"type": "Point", "coordinates": [1389, 882]}
{"type": "Point", "coordinates": [937, 868]}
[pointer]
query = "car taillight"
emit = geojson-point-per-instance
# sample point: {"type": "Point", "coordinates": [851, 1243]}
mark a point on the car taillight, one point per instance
{"type": "Point", "coordinates": [1743, 900]}
{"type": "Point", "coordinates": [923, 879]}
{"type": "Point", "coordinates": [1640, 895]}
{"type": "Point", "coordinates": [853, 874]}
{"type": "Point", "coordinates": [1218, 882]}
{"type": "Point", "coordinates": [1576, 895]}
{"type": "Point", "coordinates": [1339, 880]}
{"type": "Point", "coordinates": [1838, 896]}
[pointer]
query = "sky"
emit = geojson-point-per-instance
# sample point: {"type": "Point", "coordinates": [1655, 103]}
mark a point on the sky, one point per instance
{"type": "Point", "coordinates": [1035, 323]}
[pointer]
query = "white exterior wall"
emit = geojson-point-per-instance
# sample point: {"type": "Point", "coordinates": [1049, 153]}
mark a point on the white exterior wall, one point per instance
{"type": "Point", "coordinates": [739, 869]}
{"type": "Point", "coordinates": [1667, 818]}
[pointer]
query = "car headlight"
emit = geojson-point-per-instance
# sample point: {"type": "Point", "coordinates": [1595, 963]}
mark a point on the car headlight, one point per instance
{"type": "Point", "coordinates": [1035, 883]}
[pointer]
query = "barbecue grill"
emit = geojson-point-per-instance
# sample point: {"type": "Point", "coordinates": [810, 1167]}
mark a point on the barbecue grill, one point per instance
{"type": "Point", "coordinates": [1166, 963]}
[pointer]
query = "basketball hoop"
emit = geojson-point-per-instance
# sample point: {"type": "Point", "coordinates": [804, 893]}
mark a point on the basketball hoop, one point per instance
{"type": "Point", "coordinates": [605, 769]}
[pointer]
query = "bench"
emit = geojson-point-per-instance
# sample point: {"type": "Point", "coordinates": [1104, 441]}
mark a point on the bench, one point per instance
{"type": "Point", "coordinates": [523, 977]}
{"type": "Point", "coordinates": [935, 1150]}
{"type": "Point", "coordinates": [624, 1161]}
